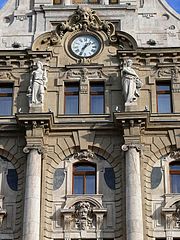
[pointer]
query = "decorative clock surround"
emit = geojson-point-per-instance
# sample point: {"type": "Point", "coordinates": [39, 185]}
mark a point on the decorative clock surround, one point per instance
{"type": "Point", "coordinates": [85, 44]}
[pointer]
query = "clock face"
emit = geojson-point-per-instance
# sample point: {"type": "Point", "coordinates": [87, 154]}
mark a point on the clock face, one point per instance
{"type": "Point", "coordinates": [85, 45]}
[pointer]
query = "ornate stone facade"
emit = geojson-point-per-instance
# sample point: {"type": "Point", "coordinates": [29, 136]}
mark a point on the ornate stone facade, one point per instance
{"type": "Point", "coordinates": [89, 120]}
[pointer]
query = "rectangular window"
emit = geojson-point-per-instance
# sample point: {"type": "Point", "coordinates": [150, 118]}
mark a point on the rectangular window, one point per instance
{"type": "Point", "coordinates": [84, 178]}
{"type": "Point", "coordinates": [86, 2]}
{"type": "Point", "coordinates": [113, 1]}
{"type": "Point", "coordinates": [164, 103]}
{"type": "Point", "coordinates": [175, 177]}
{"type": "Point", "coordinates": [55, 2]}
{"type": "Point", "coordinates": [71, 98]}
{"type": "Point", "coordinates": [97, 98]}
{"type": "Point", "coordinates": [6, 97]}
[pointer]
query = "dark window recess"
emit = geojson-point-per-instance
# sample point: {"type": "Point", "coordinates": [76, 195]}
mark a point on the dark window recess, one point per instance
{"type": "Point", "coordinates": [84, 178]}
{"type": "Point", "coordinates": [58, 178]}
{"type": "Point", "coordinates": [156, 177]}
{"type": "Point", "coordinates": [6, 93]}
{"type": "Point", "coordinates": [175, 177]}
{"type": "Point", "coordinates": [97, 98]}
{"type": "Point", "coordinates": [71, 98]}
{"type": "Point", "coordinates": [12, 179]}
{"type": "Point", "coordinates": [113, 1]}
{"type": "Point", "coordinates": [164, 102]}
{"type": "Point", "coordinates": [109, 178]}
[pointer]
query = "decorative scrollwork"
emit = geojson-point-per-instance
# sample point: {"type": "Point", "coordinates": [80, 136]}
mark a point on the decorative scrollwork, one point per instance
{"type": "Point", "coordinates": [84, 155]}
{"type": "Point", "coordinates": [83, 19]}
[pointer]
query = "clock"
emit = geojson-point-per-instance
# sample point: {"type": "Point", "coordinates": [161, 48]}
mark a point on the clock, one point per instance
{"type": "Point", "coordinates": [85, 45]}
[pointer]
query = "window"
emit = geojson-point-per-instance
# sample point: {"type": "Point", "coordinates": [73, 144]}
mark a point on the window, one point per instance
{"type": "Point", "coordinates": [84, 178]}
{"type": "Point", "coordinates": [56, 2]}
{"type": "Point", "coordinates": [97, 98]}
{"type": "Point", "coordinates": [71, 98]}
{"type": "Point", "coordinates": [163, 91]}
{"type": "Point", "coordinates": [6, 91]}
{"type": "Point", "coordinates": [113, 1]}
{"type": "Point", "coordinates": [86, 2]}
{"type": "Point", "coordinates": [175, 177]}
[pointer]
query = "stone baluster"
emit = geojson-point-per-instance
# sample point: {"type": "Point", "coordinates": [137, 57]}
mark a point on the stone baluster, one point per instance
{"type": "Point", "coordinates": [31, 221]}
{"type": "Point", "coordinates": [134, 216]}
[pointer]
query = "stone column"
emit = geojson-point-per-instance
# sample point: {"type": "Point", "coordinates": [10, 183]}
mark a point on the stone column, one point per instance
{"type": "Point", "coordinates": [134, 216]}
{"type": "Point", "coordinates": [31, 221]}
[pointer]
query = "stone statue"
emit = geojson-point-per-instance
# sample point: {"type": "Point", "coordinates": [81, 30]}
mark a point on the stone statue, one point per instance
{"type": "Point", "coordinates": [37, 86]}
{"type": "Point", "coordinates": [131, 83]}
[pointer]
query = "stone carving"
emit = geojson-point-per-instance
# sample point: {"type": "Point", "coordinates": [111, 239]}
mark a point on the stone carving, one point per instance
{"type": "Point", "coordinates": [5, 75]}
{"type": "Point", "coordinates": [131, 83]}
{"type": "Point", "coordinates": [82, 19]}
{"type": "Point", "coordinates": [169, 72]}
{"type": "Point", "coordinates": [86, 19]}
{"type": "Point", "coordinates": [83, 216]}
{"type": "Point", "coordinates": [37, 86]}
{"type": "Point", "coordinates": [177, 214]}
{"type": "Point", "coordinates": [126, 147]}
{"type": "Point", "coordinates": [84, 155]}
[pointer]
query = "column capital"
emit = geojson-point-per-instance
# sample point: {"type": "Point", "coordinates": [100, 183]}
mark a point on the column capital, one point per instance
{"type": "Point", "coordinates": [39, 149]}
{"type": "Point", "coordinates": [126, 147]}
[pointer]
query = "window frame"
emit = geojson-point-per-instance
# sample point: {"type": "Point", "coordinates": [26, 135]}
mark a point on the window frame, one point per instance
{"type": "Point", "coordinates": [164, 92]}
{"type": "Point", "coordinates": [6, 85]}
{"type": "Point", "coordinates": [84, 174]}
{"type": "Point", "coordinates": [173, 172]}
{"type": "Point", "coordinates": [97, 93]}
{"type": "Point", "coordinates": [73, 93]}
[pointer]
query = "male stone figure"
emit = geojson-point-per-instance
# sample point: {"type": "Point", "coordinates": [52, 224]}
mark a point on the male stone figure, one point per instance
{"type": "Point", "coordinates": [38, 82]}
{"type": "Point", "coordinates": [131, 83]}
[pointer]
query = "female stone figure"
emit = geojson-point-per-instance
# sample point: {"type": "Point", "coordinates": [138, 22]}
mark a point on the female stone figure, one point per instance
{"type": "Point", "coordinates": [38, 82]}
{"type": "Point", "coordinates": [131, 83]}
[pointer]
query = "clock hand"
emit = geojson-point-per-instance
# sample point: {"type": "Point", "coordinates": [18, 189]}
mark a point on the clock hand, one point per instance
{"type": "Point", "coordinates": [84, 47]}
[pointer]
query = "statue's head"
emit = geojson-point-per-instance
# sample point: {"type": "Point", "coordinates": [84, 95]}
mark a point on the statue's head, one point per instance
{"type": "Point", "coordinates": [129, 62]}
{"type": "Point", "coordinates": [39, 65]}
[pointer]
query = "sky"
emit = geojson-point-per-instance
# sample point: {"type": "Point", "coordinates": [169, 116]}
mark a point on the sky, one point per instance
{"type": "Point", "coordinates": [175, 4]}
{"type": "Point", "coordinates": [2, 2]}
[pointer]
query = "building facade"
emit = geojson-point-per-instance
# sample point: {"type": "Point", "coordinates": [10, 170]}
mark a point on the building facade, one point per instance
{"type": "Point", "coordinates": [89, 120]}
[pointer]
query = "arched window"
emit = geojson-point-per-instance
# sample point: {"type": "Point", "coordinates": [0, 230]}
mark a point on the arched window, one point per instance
{"type": "Point", "coordinates": [174, 168]}
{"type": "Point", "coordinates": [84, 178]}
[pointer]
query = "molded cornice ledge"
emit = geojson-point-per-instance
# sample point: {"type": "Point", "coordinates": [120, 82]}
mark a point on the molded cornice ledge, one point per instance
{"type": "Point", "coordinates": [32, 121]}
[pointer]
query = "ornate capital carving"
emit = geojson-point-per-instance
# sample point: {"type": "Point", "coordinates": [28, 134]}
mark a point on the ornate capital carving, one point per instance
{"type": "Point", "coordinates": [39, 149]}
{"type": "Point", "coordinates": [126, 147]}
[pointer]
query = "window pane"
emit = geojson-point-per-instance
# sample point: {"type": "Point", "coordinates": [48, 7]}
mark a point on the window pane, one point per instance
{"type": "Point", "coordinates": [85, 1]}
{"type": "Point", "coordinates": [56, 1]}
{"type": "Point", "coordinates": [163, 88]}
{"type": "Point", "coordinates": [164, 103]}
{"type": "Point", "coordinates": [72, 103]}
{"type": "Point", "coordinates": [175, 183]}
{"type": "Point", "coordinates": [97, 104]}
{"type": "Point", "coordinates": [78, 185]}
{"type": "Point", "coordinates": [175, 167]}
{"type": "Point", "coordinates": [85, 168]}
{"type": "Point", "coordinates": [90, 184]}
{"type": "Point", "coordinates": [5, 106]}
